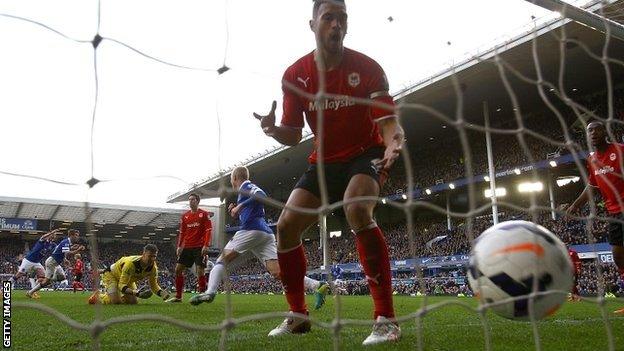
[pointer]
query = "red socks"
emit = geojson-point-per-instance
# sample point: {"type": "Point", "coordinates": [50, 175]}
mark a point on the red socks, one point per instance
{"type": "Point", "coordinates": [201, 282]}
{"type": "Point", "coordinates": [293, 268]}
{"type": "Point", "coordinates": [77, 285]}
{"type": "Point", "coordinates": [373, 252]}
{"type": "Point", "coordinates": [179, 283]}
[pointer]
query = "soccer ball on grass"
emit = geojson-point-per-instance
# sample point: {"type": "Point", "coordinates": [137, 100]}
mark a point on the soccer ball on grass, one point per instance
{"type": "Point", "coordinates": [514, 259]}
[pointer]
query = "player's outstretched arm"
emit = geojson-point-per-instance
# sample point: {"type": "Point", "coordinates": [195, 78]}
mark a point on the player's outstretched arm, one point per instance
{"type": "Point", "coordinates": [393, 137]}
{"type": "Point", "coordinates": [49, 234]}
{"type": "Point", "coordinates": [283, 135]}
{"type": "Point", "coordinates": [580, 201]}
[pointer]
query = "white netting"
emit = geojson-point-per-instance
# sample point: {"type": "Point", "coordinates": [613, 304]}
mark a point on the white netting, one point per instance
{"type": "Point", "coordinates": [554, 94]}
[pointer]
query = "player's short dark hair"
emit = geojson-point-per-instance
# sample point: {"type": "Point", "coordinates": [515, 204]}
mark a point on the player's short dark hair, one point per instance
{"type": "Point", "coordinates": [73, 231]}
{"type": "Point", "coordinates": [318, 3]}
{"type": "Point", "coordinates": [151, 248]}
{"type": "Point", "coordinates": [196, 196]}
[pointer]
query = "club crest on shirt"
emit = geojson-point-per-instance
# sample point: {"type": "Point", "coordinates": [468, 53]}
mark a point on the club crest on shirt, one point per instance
{"type": "Point", "coordinates": [612, 157]}
{"type": "Point", "coordinates": [201, 215]}
{"type": "Point", "coordinates": [354, 79]}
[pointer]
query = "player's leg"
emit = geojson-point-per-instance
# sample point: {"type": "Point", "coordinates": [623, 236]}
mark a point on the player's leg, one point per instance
{"type": "Point", "coordinates": [111, 293]}
{"type": "Point", "coordinates": [38, 272]}
{"type": "Point", "coordinates": [266, 252]}
{"type": "Point", "coordinates": [200, 270]}
{"type": "Point", "coordinates": [235, 252]}
{"type": "Point", "coordinates": [616, 240]}
{"type": "Point", "coordinates": [228, 257]}
{"type": "Point", "coordinates": [50, 269]}
{"type": "Point", "coordinates": [21, 271]}
{"type": "Point", "coordinates": [618, 258]}
{"type": "Point", "coordinates": [184, 261]}
{"type": "Point", "coordinates": [373, 252]}
{"type": "Point", "coordinates": [291, 257]}
{"type": "Point", "coordinates": [59, 276]}
{"type": "Point", "coordinates": [76, 284]}
{"type": "Point", "coordinates": [80, 284]}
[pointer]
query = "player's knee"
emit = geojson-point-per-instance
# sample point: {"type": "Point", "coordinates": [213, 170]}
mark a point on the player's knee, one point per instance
{"type": "Point", "coordinates": [358, 214]}
{"type": "Point", "coordinates": [286, 235]}
{"type": "Point", "coordinates": [283, 225]}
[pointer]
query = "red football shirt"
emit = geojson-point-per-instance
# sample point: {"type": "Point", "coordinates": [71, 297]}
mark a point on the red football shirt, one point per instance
{"type": "Point", "coordinates": [606, 174]}
{"type": "Point", "coordinates": [576, 261]}
{"type": "Point", "coordinates": [195, 229]}
{"type": "Point", "coordinates": [78, 267]}
{"type": "Point", "coordinates": [349, 128]}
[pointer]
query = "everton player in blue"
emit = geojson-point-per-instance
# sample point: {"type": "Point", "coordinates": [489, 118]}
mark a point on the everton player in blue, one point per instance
{"type": "Point", "coordinates": [31, 263]}
{"type": "Point", "coordinates": [54, 264]}
{"type": "Point", "coordinates": [254, 238]}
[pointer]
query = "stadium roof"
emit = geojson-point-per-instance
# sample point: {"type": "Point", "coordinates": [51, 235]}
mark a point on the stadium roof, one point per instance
{"type": "Point", "coordinates": [109, 221]}
{"type": "Point", "coordinates": [67, 211]}
{"type": "Point", "coordinates": [480, 81]}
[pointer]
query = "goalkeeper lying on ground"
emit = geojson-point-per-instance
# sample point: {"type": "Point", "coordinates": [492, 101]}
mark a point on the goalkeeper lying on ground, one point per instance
{"type": "Point", "coordinates": [121, 277]}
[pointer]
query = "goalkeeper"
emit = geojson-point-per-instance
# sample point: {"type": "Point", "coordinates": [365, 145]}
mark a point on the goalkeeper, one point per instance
{"type": "Point", "coordinates": [120, 279]}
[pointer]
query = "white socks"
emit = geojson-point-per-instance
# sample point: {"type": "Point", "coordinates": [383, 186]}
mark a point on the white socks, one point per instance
{"type": "Point", "coordinates": [218, 272]}
{"type": "Point", "coordinates": [310, 284]}
{"type": "Point", "coordinates": [36, 288]}
{"type": "Point", "coordinates": [216, 277]}
{"type": "Point", "coordinates": [33, 282]}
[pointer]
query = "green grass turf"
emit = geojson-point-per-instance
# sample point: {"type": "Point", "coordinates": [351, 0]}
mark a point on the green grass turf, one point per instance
{"type": "Point", "coordinates": [577, 326]}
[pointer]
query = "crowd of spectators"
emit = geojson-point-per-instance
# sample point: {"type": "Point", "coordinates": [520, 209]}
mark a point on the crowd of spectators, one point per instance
{"type": "Point", "coordinates": [251, 276]}
{"type": "Point", "coordinates": [428, 168]}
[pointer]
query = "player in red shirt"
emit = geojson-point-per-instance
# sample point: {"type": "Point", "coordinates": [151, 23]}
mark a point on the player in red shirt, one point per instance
{"type": "Point", "coordinates": [576, 261]}
{"type": "Point", "coordinates": [360, 144]}
{"type": "Point", "coordinates": [605, 173]}
{"type": "Point", "coordinates": [77, 271]}
{"type": "Point", "coordinates": [193, 242]}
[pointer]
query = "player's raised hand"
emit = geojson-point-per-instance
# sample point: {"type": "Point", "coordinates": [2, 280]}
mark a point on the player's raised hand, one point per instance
{"type": "Point", "coordinates": [267, 122]}
{"type": "Point", "coordinates": [50, 233]}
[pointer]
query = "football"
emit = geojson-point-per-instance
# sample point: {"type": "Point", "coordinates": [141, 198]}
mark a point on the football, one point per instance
{"type": "Point", "coordinates": [511, 260]}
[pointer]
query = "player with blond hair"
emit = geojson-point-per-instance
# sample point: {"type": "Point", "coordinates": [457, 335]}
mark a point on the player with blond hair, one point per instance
{"type": "Point", "coordinates": [254, 237]}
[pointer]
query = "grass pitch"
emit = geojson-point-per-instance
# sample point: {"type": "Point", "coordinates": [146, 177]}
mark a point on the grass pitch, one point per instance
{"type": "Point", "coordinates": [577, 326]}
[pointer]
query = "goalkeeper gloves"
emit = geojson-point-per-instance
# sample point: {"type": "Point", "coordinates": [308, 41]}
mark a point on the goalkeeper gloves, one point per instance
{"type": "Point", "coordinates": [145, 292]}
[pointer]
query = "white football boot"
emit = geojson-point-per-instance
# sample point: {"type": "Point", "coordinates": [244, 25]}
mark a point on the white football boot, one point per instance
{"type": "Point", "coordinates": [383, 331]}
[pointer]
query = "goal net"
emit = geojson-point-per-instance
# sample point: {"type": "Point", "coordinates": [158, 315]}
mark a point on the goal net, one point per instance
{"type": "Point", "coordinates": [498, 135]}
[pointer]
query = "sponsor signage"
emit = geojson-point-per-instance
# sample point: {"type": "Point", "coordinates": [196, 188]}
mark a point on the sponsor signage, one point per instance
{"type": "Point", "coordinates": [17, 224]}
